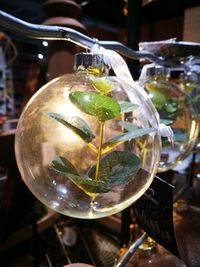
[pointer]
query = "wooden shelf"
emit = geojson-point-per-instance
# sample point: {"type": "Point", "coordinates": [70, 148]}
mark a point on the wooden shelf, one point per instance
{"type": "Point", "coordinates": [26, 233]}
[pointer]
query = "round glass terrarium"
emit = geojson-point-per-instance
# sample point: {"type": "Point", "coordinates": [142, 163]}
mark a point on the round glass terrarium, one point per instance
{"type": "Point", "coordinates": [86, 143]}
{"type": "Point", "coordinates": [177, 110]}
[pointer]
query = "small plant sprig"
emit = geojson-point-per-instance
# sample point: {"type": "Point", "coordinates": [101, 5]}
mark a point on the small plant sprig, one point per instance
{"type": "Point", "coordinates": [112, 168]}
{"type": "Point", "coordinates": [169, 109]}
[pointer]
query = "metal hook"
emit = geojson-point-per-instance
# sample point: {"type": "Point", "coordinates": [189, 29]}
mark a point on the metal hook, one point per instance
{"type": "Point", "coordinates": [96, 41]}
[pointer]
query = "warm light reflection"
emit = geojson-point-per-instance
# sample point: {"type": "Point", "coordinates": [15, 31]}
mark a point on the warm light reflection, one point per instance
{"type": "Point", "coordinates": [61, 135]}
{"type": "Point", "coordinates": [194, 128]}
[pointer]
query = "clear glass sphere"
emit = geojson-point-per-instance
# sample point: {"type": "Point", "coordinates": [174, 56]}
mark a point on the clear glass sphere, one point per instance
{"type": "Point", "coordinates": [79, 173]}
{"type": "Point", "coordinates": [176, 110]}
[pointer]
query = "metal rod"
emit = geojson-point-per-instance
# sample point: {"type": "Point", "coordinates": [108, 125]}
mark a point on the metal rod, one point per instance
{"type": "Point", "coordinates": [49, 32]}
{"type": "Point", "coordinates": [124, 260]}
{"type": "Point", "coordinates": [134, 34]}
{"type": "Point", "coordinates": [65, 252]}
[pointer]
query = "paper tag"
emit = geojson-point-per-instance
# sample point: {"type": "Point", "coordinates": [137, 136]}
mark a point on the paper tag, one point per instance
{"type": "Point", "coordinates": [154, 214]}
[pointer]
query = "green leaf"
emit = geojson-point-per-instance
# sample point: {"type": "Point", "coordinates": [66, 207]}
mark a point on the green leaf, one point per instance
{"type": "Point", "coordinates": [166, 122]}
{"type": "Point", "coordinates": [119, 139]}
{"type": "Point", "coordinates": [76, 124]}
{"type": "Point", "coordinates": [130, 127]}
{"type": "Point", "coordinates": [61, 164]}
{"type": "Point", "coordinates": [127, 106]}
{"type": "Point", "coordinates": [180, 137]}
{"type": "Point", "coordinates": [196, 98]}
{"type": "Point", "coordinates": [171, 107]}
{"type": "Point", "coordinates": [102, 85]}
{"type": "Point", "coordinates": [103, 107]}
{"type": "Point", "coordinates": [188, 86]}
{"type": "Point", "coordinates": [158, 99]}
{"type": "Point", "coordinates": [88, 185]}
{"type": "Point", "coordinates": [117, 168]}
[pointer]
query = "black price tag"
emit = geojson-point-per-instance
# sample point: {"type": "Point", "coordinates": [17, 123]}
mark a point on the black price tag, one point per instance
{"type": "Point", "coordinates": [154, 214]}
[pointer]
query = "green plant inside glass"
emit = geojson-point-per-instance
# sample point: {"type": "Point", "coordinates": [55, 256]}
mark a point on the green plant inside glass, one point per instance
{"type": "Point", "coordinates": [113, 167]}
{"type": "Point", "coordinates": [176, 109]}
{"type": "Point", "coordinates": [87, 143]}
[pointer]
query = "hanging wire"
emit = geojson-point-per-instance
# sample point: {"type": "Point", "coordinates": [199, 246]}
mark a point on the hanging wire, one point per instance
{"type": "Point", "coordinates": [49, 32]}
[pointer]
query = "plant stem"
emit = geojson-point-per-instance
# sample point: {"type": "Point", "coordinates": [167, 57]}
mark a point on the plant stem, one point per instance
{"type": "Point", "coordinates": [92, 147]}
{"type": "Point", "coordinates": [144, 149]}
{"type": "Point", "coordinates": [99, 149]}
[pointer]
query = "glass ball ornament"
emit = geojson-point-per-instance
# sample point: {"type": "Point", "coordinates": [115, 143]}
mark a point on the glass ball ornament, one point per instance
{"type": "Point", "coordinates": [177, 110]}
{"type": "Point", "coordinates": [86, 144]}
